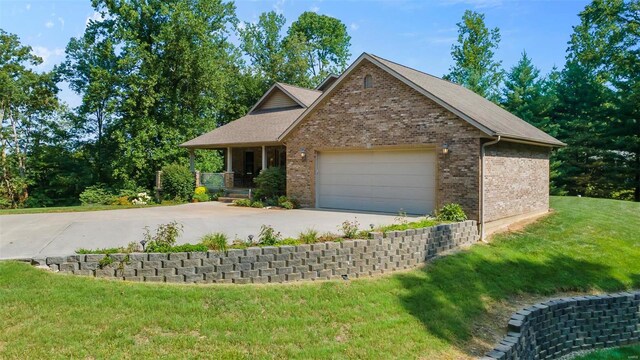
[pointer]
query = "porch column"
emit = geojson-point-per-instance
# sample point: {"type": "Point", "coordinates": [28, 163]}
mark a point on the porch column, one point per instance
{"type": "Point", "coordinates": [229, 160]}
{"type": "Point", "coordinates": [192, 165]}
{"type": "Point", "coordinates": [228, 175]}
{"type": "Point", "coordinates": [264, 157]}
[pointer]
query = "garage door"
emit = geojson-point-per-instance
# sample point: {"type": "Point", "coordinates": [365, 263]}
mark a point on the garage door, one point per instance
{"type": "Point", "coordinates": [386, 181]}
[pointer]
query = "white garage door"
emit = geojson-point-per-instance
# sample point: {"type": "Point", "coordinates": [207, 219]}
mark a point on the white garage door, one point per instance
{"type": "Point", "coordinates": [369, 180]}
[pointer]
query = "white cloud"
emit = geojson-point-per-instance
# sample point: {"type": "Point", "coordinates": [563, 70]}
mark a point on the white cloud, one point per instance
{"type": "Point", "coordinates": [96, 16]}
{"type": "Point", "coordinates": [61, 21]}
{"type": "Point", "coordinates": [241, 25]}
{"type": "Point", "coordinates": [354, 26]}
{"type": "Point", "coordinates": [28, 7]}
{"type": "Point", "coordinates": [315, 9]}
{"type": "Point", "coordinates": [278, 6]}
{"type": "Point", "coordinates": [47, 55]}
{"type": "Point", "coordinates": [49, 24]}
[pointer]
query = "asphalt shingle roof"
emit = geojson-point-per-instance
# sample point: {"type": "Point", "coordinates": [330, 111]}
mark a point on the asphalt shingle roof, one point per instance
{"type": "Point", "coordinates": [484, 112]}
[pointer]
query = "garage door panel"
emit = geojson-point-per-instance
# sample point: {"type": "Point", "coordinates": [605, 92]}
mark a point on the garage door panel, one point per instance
{"type": "Point", "coordinates": [377, 180]}
{"type": "Point", "coordinates": [377, 168]}
{"type": "Point", "coordinates": [378, 192]}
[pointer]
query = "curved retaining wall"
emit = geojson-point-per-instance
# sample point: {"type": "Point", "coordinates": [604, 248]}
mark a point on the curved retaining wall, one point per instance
{"type": "Point", "coordinates": [394, 250]}
{"type": "Point", "coordinates": [555, 328]}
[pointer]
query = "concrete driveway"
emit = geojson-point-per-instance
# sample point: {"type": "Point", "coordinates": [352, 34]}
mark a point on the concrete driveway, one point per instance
{"type": "Point", "coordinates": [29, 235]}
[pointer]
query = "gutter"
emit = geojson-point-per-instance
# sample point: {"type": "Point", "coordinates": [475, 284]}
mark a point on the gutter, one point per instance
{"type": "Point", "coordinates": [482, 185]}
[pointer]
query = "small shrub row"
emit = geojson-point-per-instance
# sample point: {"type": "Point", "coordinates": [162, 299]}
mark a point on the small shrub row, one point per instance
{"type": "Point", "coordinates": [282, 201]}
{"type": "Point", "coordinates": [101, 195]}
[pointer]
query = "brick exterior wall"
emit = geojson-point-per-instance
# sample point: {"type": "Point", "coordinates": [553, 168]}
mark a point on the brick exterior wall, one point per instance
{"type": "Point", "coordinates": [516, 180]}
{"type": "Point", "coordinates": [394, 250]}
{"type": "Point", "coordinates": [388, 114]}
{"type": "Point", "coordinates": [555, 328]}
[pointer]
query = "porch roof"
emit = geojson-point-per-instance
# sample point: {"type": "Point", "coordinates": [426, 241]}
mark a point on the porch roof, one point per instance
{"type": "Point", "coordinates": [257, 128]}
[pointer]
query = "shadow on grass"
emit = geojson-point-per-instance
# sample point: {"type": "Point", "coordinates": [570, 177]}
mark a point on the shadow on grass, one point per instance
{"type": "Point", "coordinates": [448, 295]}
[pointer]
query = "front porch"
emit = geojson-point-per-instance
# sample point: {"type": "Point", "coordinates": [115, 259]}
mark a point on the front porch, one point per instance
{"type": "Point", "coordinates": [242, 165]}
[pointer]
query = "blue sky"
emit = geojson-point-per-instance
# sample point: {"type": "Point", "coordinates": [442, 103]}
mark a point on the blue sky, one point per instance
{"type": "Point", "coordinates": [415, 33]}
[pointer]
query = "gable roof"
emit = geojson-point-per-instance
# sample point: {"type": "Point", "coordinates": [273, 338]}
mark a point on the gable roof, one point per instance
{"type": "Point", "coordinates": [303, 97]}
{"type": "Point", "coordinates": [471, 107]}
{"type": "Point", "coordinates": [257, 128]}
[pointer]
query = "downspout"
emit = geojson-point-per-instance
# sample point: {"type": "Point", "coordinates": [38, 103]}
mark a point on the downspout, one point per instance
{"type": "Point", "coordinates": [482, 185]}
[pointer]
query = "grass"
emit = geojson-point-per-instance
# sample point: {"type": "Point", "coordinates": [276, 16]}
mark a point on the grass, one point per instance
{"type": "Point", "coordinates": [623, 353]}
{"type": "Point", "coordinates": [80, 208]}
{"type": "Point", "coordinates": [440, 311]}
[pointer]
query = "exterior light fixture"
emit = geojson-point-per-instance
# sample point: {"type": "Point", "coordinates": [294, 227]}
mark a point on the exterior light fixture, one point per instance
{"type": "Point", "coordinates": [143, 243]}
{"type": "Point", "coordinates": [372, 226]}
{"type": "Point", "coordinates": [250, 239]}
{"type": "Point", "coordinates": [445, 149]}
{"type": "Point", "coordinates": [303, 154]}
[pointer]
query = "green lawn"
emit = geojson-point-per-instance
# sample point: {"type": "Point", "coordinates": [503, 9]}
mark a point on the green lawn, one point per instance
{"type": "Point", "coordinates": [444, 310]}
{"type": "Point", "coordinates": [624, 353]}
{"type": "Point", "coordinates": [79, 208]}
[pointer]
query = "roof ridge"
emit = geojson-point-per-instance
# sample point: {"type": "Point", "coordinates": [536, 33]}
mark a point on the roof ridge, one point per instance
{"type": "Point", "coordinates": [298, 87]}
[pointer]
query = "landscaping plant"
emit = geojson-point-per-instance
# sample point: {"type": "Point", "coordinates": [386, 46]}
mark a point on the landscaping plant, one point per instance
{"type": "Point", "coordinates": [177, 182]}
{"type": "Point", "coordinates": [271, 183]}
{"type": "Point", "coordinates": [309, 236]}
{"type": "Point", "coordinates": [268, 236]}
{"type": "Point", "coordinates": [164, 238]}
{"type": "Point", "coordinates": [215, 241]}
{"type": "Point", "coordinates": [350, 228]}
{"type": "Point", "coordinates": [201, 194]}
{"type": "Point", "coordinates": [97, 195]}
{"type": "Point", "coordinates": [451, 212]}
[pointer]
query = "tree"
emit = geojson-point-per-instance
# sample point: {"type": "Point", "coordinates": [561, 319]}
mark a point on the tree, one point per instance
{"type": "Point", "coordinates": [326, 42]}
{"type": "Point", "coordinates": [274, 58]}
{"type": "Point", "coordinates": [175, 65]}
{"type": "Point", "coordinates": [474, 65]}
{"type": "Point", "coordinates": [25, 98]}
{"type": "Point", "coordinates": [91, 69]}
{"type": "Point", "coordinates": [598, 107]}
{"type": "Point", "coordinates": [529, 96]}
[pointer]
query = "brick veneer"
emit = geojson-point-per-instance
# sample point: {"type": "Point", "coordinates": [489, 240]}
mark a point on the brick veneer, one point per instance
{"type": "Point", "coordinates": [381, 253]}
{"type": "Point", "coordinates": [388, 114]}
{"type": "Point", "coordinates": [555, 328]}
{"type": "Point", "coordinates": [516, 180]}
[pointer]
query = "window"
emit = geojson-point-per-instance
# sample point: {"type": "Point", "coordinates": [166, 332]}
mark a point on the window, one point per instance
{"type": "Point", "coordinates": [368, 81]}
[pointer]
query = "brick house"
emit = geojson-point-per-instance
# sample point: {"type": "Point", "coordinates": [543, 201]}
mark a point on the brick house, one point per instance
{"type": "Point", "coordinates": [385, 137]}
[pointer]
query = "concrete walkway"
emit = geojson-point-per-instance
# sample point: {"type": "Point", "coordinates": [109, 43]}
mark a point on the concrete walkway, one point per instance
{"type": "Point", "coordinates": [29, 235]}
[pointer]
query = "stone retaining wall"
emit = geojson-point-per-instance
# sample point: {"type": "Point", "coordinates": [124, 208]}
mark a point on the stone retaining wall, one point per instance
{"type": "Point", "coordinates": [394, 250]}
{"type": "Point", "coordinates": [556, 328]}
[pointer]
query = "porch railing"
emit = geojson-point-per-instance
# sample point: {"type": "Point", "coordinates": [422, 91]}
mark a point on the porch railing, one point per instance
{"type": "Point", "coordinates": [212, 181]}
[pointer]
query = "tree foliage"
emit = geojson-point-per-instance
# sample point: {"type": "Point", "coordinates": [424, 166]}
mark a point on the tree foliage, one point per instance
{"type": "Point", "coordinates": [475, 66]}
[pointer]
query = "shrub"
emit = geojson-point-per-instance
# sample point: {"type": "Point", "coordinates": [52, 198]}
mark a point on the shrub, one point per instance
{"type": "Point", "coordinates": [271, 183]}
{"type": "Point", "coordinates": [309, 236]}
{"type": "Point", "coordinates": [215, 241]}
{"type": "Point", "coordinates": [257, 204]}
{"type": "Point", "coordinates": [350, 228]}
{"type": "Point", "coordinates": [177, 182]}
{"type": "Point", "coordinates": [451, 212]}
{"type": "Point", "coordinates": [268, 236]}
{"type": "Point", "coordinates": [287, 203]}
{"type": "Point", "coordinates": [122, 200]}
{"type": "Point", "coordinates": [141, 198]}
{"type": "Point", "coordinates": [242, 202]}
{"type": "Point", "coordinates": [97, 195]}
{"type": "Point", "coordinates": [165, 237]}
{"type": "Point", "coordinates": [201, 194]}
